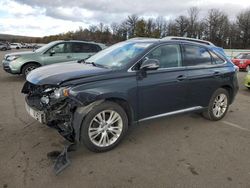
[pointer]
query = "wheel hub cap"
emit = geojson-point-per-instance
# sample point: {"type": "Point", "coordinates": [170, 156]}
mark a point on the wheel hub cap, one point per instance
{"type": "Point", "coordinates": [220, 105]}
{"type": "Point", "coordinates": [105, 128]}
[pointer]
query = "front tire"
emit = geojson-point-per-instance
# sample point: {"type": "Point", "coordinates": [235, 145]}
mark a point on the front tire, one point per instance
{"type": "Point", "coordinates": [28, 68]}
{"type": "Point", "coordinates": [104, 127]}
{"type": "Point", "coordinates": [218, 105]}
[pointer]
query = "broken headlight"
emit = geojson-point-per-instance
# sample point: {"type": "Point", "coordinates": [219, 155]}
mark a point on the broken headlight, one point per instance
{"type": "Point", "coordinates": [60, 93]}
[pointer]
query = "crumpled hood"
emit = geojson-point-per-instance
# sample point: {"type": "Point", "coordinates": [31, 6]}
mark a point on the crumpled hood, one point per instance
{"type": "Point", "coordinates": [58, 73]}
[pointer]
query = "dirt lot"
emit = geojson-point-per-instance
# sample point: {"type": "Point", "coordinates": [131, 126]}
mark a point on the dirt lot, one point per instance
{"type": "Point", "coordinates": [180, 151]}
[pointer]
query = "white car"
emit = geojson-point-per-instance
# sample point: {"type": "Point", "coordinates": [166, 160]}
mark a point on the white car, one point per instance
{"type": "Point", "coordinates": [15, 46]}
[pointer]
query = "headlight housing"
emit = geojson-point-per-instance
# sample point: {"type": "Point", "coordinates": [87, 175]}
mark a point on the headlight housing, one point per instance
{"type": "Point", "coordinates": [12, 57]}
{"type": "Point", "coordinates": [60, 93]}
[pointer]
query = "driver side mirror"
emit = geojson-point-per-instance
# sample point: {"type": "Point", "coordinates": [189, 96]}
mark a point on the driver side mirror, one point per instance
{"type": "Point", "coordinates": [150, 64]}
{"type": "Point", "coordinates": [52, 52]}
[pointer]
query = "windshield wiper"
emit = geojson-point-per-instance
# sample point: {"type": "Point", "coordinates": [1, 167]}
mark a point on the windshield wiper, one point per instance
{"type": "Point", "coordinates": [96, 65]}
{"type": "Point", "coordinates": [92, 63]}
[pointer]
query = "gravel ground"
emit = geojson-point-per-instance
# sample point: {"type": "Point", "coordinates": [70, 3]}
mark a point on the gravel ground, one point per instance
{"type": "Point", "coordinates": [179, 151]}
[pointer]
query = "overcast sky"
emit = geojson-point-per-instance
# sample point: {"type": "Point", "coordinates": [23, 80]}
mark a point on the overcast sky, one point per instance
{"type": "Point", "coordinates": [48, 17]}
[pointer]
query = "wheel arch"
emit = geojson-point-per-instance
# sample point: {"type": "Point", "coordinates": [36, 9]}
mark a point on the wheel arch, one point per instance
{"type": "Point", "coordinates": [125, 105]}
{"type": "Point", "coordinates": [29, 62]}
{"type": "Point", "coordinates": [229, 89]}
{"type": "Point", "coordinates": [81, 112]}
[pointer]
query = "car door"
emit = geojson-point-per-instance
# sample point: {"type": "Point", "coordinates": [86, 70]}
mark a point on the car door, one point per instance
{"type": "Point", "coordinates": [163, 90]}
{"type": "Point", "coordinates": [59, 53]}
{"type": "Point", "coordinates": [205, 72]}
{"type": "Point", "coordinates": [81, 50]}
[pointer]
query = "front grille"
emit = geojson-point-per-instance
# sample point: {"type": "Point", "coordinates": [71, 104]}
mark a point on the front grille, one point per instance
{"type": "Point", "coordinates": [6, 68]}
{"type": "Point", "coordinates": [34, 102]}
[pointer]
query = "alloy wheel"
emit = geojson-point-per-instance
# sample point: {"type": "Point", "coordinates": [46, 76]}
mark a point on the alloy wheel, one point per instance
{"type": "Point", "coordinates": [220, 105]}
{"type": "Point", "coordinates": [105, 128]}
{"type": "Point", "coordinates": [29, 69]}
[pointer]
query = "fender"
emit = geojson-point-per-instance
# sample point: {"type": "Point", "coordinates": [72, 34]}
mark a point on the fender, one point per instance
{"type": "Point", "coordinates": [79, 115]}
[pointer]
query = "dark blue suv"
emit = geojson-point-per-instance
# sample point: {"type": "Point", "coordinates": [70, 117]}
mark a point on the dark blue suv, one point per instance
{"type": "Point", "coordinates": [94, 101]}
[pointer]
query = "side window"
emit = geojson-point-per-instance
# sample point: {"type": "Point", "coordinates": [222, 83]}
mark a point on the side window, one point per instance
{"type": "Point", "coordinates": [59, 48]}
{"type": "Point", "coordinates": [84, 48]}
{"type": "Point", "coordinates": [94, 48]}
{"type": "Point", "coordinates": [168, 55]}
{"type": "Point", "coordinates": [248, 56]}
{"type": "Point", "coordinates": [216, 59]}
{"type": "Point", "coordinates": [196, 56]}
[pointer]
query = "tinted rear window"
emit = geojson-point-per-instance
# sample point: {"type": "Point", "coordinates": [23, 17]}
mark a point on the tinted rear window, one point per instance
{"type": "Point", "coordinates": [85, 48]}
{"type": "Point", "coordinates": [195, 56]}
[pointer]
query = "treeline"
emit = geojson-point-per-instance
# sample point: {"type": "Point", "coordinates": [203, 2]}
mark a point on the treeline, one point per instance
{"type": "Point", "coordinates": [18, 38]}
{"type": "Point", "coordinates": [215, 27]}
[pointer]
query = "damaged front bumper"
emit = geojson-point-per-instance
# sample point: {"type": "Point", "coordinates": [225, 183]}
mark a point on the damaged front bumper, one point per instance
{"type": "Point", "coordinates": [64, 114]}
{"type": "Point", "coordinates": [37, 115]}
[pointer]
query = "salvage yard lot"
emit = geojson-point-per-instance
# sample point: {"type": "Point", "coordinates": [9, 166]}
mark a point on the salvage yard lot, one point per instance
{"type": "Point", "coordinates": [179, 151]}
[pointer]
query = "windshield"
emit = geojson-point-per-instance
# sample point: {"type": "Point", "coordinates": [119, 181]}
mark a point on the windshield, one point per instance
{"type": "Point", "coordinates": [45, 47]}
{"type": "Point", "coordinates": [118, 55]}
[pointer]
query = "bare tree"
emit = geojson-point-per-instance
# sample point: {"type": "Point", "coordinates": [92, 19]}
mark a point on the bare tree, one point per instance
{"type": "Point", "coordinates": [161, 24]}
{"type": "Point", "coordinates": [193, 22]}
{"type": "Point", "coordinates": [216, 27]}
{"type": "Point", "coordinates": [114, 28]}
{"type": "Point", "coordinates": [243, 23]}
{"type": "Point", "coordinates": [182, 25]}
{"type": "Point", "coordinates": [131, 24]}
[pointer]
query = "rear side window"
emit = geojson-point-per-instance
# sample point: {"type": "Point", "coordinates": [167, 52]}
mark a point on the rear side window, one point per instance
{"type": "Point", "coordinates": [216, 59]}
{"type": "Point", "coordinates": [168, 56]}
{"type": "Point", "coordinates": [196, 56]}
{"type": "Point", "coordinates": [85, 48]}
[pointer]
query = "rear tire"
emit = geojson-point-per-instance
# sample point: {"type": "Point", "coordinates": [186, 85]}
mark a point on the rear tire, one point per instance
{"type": "Point", "coordinates": [104, 127]}
{"type": "Point", "coordinates": [28, 68]}
{"type": "Point", "coordinates": [218, 105]}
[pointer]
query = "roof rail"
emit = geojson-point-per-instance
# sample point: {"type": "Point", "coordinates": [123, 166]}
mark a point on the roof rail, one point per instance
{"type": "Point", "coordinates": [188, 39]}
{"type": "Point", "coordinates": [140, 38]}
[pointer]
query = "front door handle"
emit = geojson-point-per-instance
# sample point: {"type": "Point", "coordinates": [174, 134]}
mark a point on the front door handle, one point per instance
{"type": "Point", "coordinates": [181, 78]}
{"type": "Point", "coordinates": [217, 74]}
{"type": "Point", "coordinates": [68, 56]}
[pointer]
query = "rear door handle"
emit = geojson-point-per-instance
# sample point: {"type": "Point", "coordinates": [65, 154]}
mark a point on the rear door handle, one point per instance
{"type": "Point", "coordinates": [181, 78]}
{"type": "Point", "coordinates": [68, 56]}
